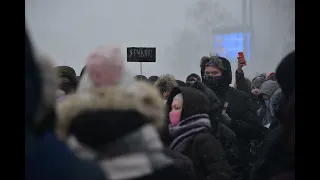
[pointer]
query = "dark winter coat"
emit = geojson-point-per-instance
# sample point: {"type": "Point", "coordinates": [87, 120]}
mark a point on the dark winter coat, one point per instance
{"type": "Point", "coordinates": [197, 143]}
{"type": "Point", "coordinates": [223, 133]}
{"type": "Point", "coordinates": [208, 158]}
{"type": "Point", "coordinates": [270, 137]}
{"type": "Point", "coordinates": [276, 161]}
{"type": "Point", "coordinates": [183, 163]}
{"type": "Point", "coordinates": [215, 104]}
{"type": "Point", "coordinates": [244, 86]}
{"type": "Point", "coordinates": [45, 156]}
{"type": "Point", "coordinates": [239, 108]}
{"type": "Point", "coordinates": [51, 159]}
{"type": "Point", "coordinates": [245, 122]}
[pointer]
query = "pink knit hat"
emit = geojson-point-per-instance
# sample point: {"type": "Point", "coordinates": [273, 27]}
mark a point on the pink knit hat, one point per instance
{"type": "Point", "coordinates": [105, 65]}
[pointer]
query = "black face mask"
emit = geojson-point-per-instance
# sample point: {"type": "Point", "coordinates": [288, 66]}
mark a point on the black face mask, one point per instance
{"type": "Point", "coordinates": [215, 82]}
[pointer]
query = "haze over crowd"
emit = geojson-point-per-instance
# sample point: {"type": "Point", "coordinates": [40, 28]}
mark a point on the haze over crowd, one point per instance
{"type": "Point", "coordinates": [181, 30]}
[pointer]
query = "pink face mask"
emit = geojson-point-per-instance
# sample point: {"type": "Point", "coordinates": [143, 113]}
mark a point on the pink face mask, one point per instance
{"type": "Point", "coordinates": [174, 117]}
{"type": "Point", "coordinates": [255, 91]}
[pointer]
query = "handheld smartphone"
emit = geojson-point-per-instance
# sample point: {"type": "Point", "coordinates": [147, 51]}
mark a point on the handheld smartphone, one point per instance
{"type": "Point", "coordinates": [240, 54]}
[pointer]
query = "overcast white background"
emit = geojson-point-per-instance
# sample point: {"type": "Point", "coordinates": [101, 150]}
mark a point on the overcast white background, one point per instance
{"type": "Point", "coordinates": [68, 30]}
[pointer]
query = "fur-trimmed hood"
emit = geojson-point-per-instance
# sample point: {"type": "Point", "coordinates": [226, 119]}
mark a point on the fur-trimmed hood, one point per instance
{"type": "Point", "coordinates": [268, 88]}
{"type": "Point", "coordinates": [166, 83]}
{"type": "Point", "coordinates": [138, 96]}
{"type": "Point", "coordinates": [115, 128]}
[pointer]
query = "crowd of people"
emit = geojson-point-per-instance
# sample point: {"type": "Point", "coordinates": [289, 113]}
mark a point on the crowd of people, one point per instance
{"type": "Point", "coordinates": [107, 124]}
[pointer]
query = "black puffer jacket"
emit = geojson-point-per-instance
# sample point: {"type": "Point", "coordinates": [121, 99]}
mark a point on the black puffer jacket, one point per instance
{"type": "Point", "coordinates": [205, 150]}
{"type": "Point", "coordinates": [183, 163]}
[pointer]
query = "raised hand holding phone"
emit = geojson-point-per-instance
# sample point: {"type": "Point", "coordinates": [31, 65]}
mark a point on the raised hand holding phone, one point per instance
{"type": "Point", "coordinates": [241, 61]}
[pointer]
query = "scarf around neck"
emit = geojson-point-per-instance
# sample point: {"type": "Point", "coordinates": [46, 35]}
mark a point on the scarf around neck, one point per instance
{"type": "Point", "coordinates": [187, 129]}
{"type": "Point", "coordinates": [133, 156]}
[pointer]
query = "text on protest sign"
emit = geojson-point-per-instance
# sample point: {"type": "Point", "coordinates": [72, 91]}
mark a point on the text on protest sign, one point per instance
{"type": "Point", "coordinates": [141, 54]}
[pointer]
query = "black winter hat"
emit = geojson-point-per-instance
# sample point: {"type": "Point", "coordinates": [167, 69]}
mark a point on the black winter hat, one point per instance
{"type": "Point", "coordinates": [67, 74]}
{"type": "Point", "coordinates": [140, 77]}
{"type": "Point", "coordinates": [153, 78]}
{"type": "Point", "coordinates": [181, 83]}
{"type": "Point", "coordinates": [65, 70]}
{"type": "Point", "coordinates": [193, 77]}
{"type": "Point", "coordinates": [194, 101]}
{"type": "Point", "coordinates": [285, 74]}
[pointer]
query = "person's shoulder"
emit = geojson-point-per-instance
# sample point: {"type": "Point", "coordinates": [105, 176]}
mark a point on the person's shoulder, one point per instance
{"type": "Point", "coordinates": [238, 93]}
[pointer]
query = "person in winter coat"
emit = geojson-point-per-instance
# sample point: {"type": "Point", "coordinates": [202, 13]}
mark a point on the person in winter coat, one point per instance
{"type": "Point", "coordinates": [192, 78]}
{"type": "Point", "coordinates": [275, 103]}
{"type": "Point", "coordinates": [141, 78]}
{"type": "Point", "coordinates": [153, 79]}
{"type": "Point", "coordinates": [219, 128]}
{"type": "Point", "coordinates": [237, 105]}
{"type": "Point", "coordinates": [45, 156]}
{"type": "Point", "coordinates": [274, 129]}
{"type": "Point", "coordinates": [256, 84]}
{"type": "Point", "coordinates": [217, 75]}
{"type": "Point", "coordinates": [251, 88]}
{"type": "Point", "coordinates": [180, 161]}
{"type": "Point", "coordinates": [115, 128]}
{"type": "Point", "coordinates": [165, 84]}
{"type": "Point", "coordinates": [68, 79]}
{"type": "Point", "coordinates": [247, 84]}
{"type": "Point", "coordinates": [267, 90]}
{"type": "Point", "coordinates": [190, 129]}
{"type": "Point", "coordinates": [279, 161]}
{"type": "Point", "coordinates": [272, 76]}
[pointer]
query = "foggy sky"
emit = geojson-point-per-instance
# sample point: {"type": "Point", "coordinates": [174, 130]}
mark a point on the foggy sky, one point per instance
{"type": "Point", "coordinates": [68, 30]}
